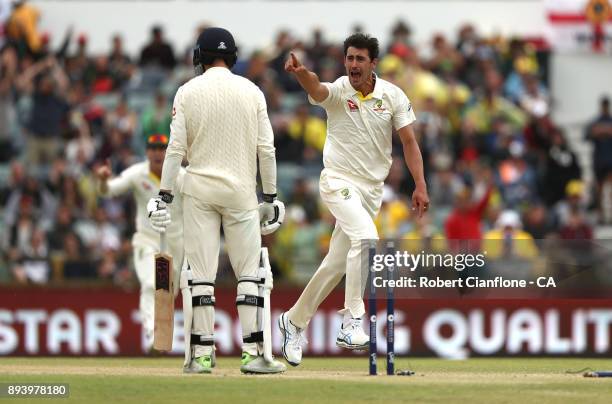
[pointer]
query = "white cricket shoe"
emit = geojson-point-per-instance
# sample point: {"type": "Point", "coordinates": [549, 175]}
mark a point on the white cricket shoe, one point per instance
{"type": "Point", "coordinates": [293, 339]}
{"type": "Point", "coordinates": [352, 336]}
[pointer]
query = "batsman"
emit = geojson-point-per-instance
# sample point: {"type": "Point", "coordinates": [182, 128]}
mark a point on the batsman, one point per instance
{"type": "Point", "coordinates": [220, 124]}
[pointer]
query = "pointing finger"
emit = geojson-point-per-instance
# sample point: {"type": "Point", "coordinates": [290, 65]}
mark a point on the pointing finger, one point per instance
{"type": "Point", "coordinates": [294, 60]}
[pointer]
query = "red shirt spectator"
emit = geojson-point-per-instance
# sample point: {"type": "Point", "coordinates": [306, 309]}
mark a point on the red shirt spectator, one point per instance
{"type": "Point", "coordinates": [464, 222]}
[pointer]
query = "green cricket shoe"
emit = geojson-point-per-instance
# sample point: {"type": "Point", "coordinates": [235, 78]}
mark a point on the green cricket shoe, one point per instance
{"type": "Point", "coordinates": [203, 364]}
{"type": "Point", "coordinates": [246, 358]}
{"type": "Point", "coordinates": [252, 364]}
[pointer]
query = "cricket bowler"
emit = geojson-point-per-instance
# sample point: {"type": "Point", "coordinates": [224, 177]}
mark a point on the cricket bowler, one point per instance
{"type": "Point", "coordinates": [220, 124]}
{"type": "Point", "coordinates": [142, 179]}
{"type": "Point", "coordinates": [362, 112]}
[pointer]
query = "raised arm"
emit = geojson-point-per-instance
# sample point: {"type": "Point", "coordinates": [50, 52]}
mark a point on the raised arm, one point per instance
{"type": "Point", "coordinates": [307, 79]}
{"type": "Point", "coordinates": [111, 187]}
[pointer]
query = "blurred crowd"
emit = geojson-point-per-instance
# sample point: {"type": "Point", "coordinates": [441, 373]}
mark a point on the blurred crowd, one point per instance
{"type": "Point", "coordinates": [496, 165]}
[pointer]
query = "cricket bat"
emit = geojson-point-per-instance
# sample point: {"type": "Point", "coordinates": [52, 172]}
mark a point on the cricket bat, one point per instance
{"type": "Point", "coordinates": [164, 299]}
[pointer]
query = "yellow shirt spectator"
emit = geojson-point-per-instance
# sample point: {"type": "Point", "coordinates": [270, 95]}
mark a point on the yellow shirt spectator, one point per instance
{"type": "Point", "coordinates": [311, 129]}
{"type": "Point", "coordinates": [22, 26]}
{"type": "Point", "coordinates": [393, 213]}
{"type": "Point", "coordinates": [507, 228]}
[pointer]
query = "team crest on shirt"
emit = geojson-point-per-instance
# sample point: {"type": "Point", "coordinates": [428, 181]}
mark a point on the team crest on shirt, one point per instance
{"type": "Point", "coordinates": [378, 106]}
{"type": "Point", "coordinates": [346, 193]}
{"type": "Point", "coordinates": [352, 106]}
{"type": "Point", "coordinates": [147, 186]}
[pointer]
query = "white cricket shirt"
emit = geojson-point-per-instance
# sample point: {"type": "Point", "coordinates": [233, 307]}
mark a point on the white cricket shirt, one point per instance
{"type": "Point", "coordinates": [359, 129]}
{"type": "Point", "coordinates": [144, 185]}
{"type": "Point", "coordinates": [220, 121]}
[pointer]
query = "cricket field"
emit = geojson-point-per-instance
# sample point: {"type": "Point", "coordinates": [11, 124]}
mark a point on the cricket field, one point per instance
{"type": "Point", "coordinates": [317, 380]}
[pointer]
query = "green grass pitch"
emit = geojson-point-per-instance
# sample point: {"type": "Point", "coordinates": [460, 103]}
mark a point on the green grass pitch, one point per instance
{"type": "Point", "coordinates": [317, 380]}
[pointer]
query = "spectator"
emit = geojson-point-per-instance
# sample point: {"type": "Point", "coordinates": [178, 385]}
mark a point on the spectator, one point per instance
{"type": "Point", "coordinates": [63, 226]}
{"type": "Point", "coordinates": [22, 28]}
{"type": "Point", "coordinates": [120, 64]}
{"type": "Point", "coordinates": [539, 130]}
{"type": "Point", "coordinates": [537, 222]}
{"type": "Point", "coordinates": [523, 80]}
{"type": "Point", "coordinates": [304, 196]}
{"type": "Point", "coordinates": [605, 201]}
{"type": "Point", "coordinates": [533, 98]}
{"type": "Point", "coordinates": [434, 129]}
{"type": "Point", "coordinates": [102, 80]}
{"type": "Point", "coordinates": [443, 184]}
{"type": "Point", "coordinates": [70, 197]}
{"type": "Point", "coordinates": [8, 71]}
{"type": "Point", "coordinates": [35, 261]}
{"type": "Point", "coordinates": [78, 67]}
{"type": "Point", "coordinates": [75, 264]}
{"type": "Point", "coordinates": [508, 240]}
{"type": "Point", "coordinates": [394, 212]}
{"type": "Point", "coordinates": [14, 182]}
{"type": "Point", "coordinates": [424, 237]}
{"type": "Point", "coordinates": [283, 44]}
{"type": "Point", "coordinates": [576, 227]}
{"type": "Point", "coordinates": [467, 45]}
{"type": "Point", "coordinates": [465, 221]}
{"type": "Point", "coordinates": [561, 167]}
{"type": "Point", "coordinates": [516, 178]}
{"type": "Point", "coordinates": [157, 117]}
{"type": "Point", "coordinates": [400, 38]}
{"type": "Point", "coordinates": [158, 52]}
{"type": "Point", "coordinates": [304, 251]}
{"type": "Point", "coordinates": [493, 106]}
{"type": "Point", "coordinates": [599, 132]}
{"type": "Point", "coordinates": [311, 129]}
{"type": "Point", "coordinates": [6, 9]}
{"type": "Point", "coordinates": [99, 235]}
{"type": "Point", "coordinates": [124, 120]}
{"type": "Point", "coordinates": [107, 265]}
{"type": "Point", "coordinates": [317, 50]}
{"type": "Point", "coordinates": [47, 83]}
{"type": "Point", "coordinates": [576, 250]}
{"type": "Point", "coordinates": [33, 195]}
{"type": "Point", "coordinates": [288, 148]}
{"type": "Point", "coordinates": [20, 231]}
{"type": "Point", "coordinates": [396, 179]}
{"type": "Point", "coordinates": [257, 68]}
{"type": "Point", "coordinates": [573, 203]}
{"type": "Point", "coordinates": [445, 59]}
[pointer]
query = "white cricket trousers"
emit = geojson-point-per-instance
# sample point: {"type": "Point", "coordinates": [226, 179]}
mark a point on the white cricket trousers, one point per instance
{"type": "Point", "coordinates": [145, 248]}
{"type": "Point", "coordinates": [202, 226]}
{"type": "Point", "coordinates": [354, 202]}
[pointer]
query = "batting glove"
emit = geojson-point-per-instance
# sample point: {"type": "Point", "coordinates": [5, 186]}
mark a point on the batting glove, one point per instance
{"type": "Point", "coordinates": [159, 216]}
{"type": "Point", "coordinates": [271, 214]}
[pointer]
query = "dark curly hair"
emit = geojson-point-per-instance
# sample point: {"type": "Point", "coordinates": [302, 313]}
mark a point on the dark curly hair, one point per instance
{"type": "Point", "coordinates": [362, 41]}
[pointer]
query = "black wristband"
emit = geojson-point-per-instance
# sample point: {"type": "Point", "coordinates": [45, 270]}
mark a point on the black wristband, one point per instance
{"type": "Point", "coordinates": [166, 196]}
{"type": "Point", "coordinates": [269, 198]}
